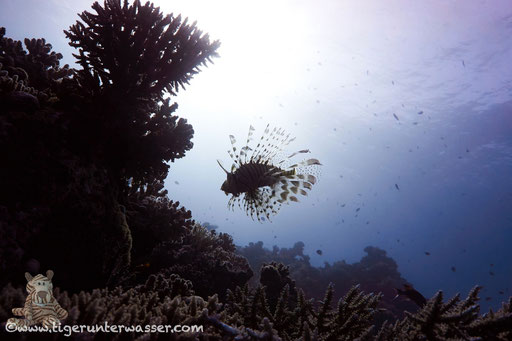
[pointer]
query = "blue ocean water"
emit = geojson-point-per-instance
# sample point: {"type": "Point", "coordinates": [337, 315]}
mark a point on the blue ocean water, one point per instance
{"type": "Point", "coordinates": [407, 105]}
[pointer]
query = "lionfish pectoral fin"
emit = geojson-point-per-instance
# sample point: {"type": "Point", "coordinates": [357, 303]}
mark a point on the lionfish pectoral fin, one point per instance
{"type": "Point", "coordinates": [224, 169]}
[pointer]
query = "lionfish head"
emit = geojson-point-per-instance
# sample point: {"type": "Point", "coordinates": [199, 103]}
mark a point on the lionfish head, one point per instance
{"type": "Point", "coordinates": [226, 185]}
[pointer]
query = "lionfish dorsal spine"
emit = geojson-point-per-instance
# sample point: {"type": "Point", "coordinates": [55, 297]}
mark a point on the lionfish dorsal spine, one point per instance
{"type": "Point", "coordinates": [246, 148]}
{"type": "Point", "coordinates": [255, 157]}
{"type": "Point", "coordinates": [233, 154]}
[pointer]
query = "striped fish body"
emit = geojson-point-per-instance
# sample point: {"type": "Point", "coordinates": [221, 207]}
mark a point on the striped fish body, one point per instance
{"type": "Point", "coordinates": [265, 180]}
{"type": "Point", "coordinates": [251, 176]}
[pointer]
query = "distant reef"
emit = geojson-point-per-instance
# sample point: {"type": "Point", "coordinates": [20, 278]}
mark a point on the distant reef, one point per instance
{"type": "Point", "coordinates": [375, 273]}
{"type": "Point", "coordinates": [84, 153]}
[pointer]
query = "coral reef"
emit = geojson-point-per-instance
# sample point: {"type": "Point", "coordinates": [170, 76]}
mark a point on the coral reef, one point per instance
{"type": "Point", "coordinates": [454, 320]}
{"type": "Point", "coordinates": [275, 277]}
{"type": "Point", "coordinates": [376, 272]}
{"type": "Point", "coordinates": [131, 57]}
{"type": "Point", "coordinates": [205, 257]}
{"type": "Point", "coordinates": [86, 153]}
{"type": "Point", "coordinates": [84, 147]}
{"type": "Point", "coordinates": [247, 314]}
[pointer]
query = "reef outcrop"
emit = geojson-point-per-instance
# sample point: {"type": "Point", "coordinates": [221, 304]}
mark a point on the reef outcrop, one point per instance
{"type": "Point", "coordinates": [376, 272]}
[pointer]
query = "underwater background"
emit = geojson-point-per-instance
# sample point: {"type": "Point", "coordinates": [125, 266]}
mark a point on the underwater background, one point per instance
{"type": "Point", "coordinates": [407, 105]}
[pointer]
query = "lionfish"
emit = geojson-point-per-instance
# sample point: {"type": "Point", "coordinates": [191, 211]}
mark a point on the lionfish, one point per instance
{"type": "Point", "coordinates": [263, 181]}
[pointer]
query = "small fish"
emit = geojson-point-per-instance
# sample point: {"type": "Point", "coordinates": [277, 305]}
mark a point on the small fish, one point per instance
{"type": "Point", "coordinates": [463, 64]}
{"type": "Point", "coordinates": [427, 253]}
{"type": "Point", "coordinates": [396, 117]}
{"type": "Point", "coordinates": [412, 294]}
{"type": "Point", "coordinates": [491, 273]}
{"type": "Point", "coordinates": [453, 269]}
{"type": "Point", "coordinates": [142, 266]}
{"type": "Point", "coordinates": [396, 186]}
{"type": "Point", "coordinates": [319, 252]}
{"type": "Point", "coordinates": [393, 82]}
{"type": "Point", "coordinates": [501, 292]}
{"type": "Point", "coordinates": [343, 205]}
{"type": "Point", "coordinates": [357, 209]}
{"type": "Point", "coordinates": [176, 182]}
{"type": "Point", "coordinates": [398, 240]}
{"type": "Point", "coordinates": [467, 150]}
{"type": "Point", "coordinates": [491, 264]}
{"type": "Point", "coordinates": [420, 112]}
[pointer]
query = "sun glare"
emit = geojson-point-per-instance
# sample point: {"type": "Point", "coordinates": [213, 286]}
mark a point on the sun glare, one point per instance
{"type": "Point", "coordinates": [262, 46]}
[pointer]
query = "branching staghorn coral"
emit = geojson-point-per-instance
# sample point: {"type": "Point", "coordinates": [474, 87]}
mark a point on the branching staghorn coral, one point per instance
{"type": "Point", "coordinates": [160, 301]}
{"type": "Point", "coordinates": [454, 320]}
{"type": "Point", "coordinates": [300, 319]}
{"type": "Point", "coordinates": [375, 272]}
{"type": "Point", "coordinates": [245, 314]}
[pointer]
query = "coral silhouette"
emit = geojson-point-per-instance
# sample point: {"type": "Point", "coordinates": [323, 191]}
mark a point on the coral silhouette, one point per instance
{"type": "Point", "coordinates": [86, 149]}
{"type": "Point", "coordinates": [376, 272]}
{"type": "Point", "coordinates": [86, 152]}
{"type": "Point", "coordinates": [246, 314]}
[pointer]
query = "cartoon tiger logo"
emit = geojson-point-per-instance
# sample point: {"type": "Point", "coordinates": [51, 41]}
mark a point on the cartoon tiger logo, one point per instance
{"type": "Point", "coordinates": [40, 306]}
